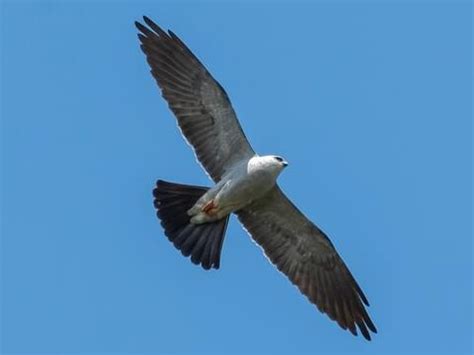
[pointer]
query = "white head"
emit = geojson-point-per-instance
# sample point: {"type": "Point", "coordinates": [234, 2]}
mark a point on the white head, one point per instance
{"type": "Point", "coordinates": [271, 163]}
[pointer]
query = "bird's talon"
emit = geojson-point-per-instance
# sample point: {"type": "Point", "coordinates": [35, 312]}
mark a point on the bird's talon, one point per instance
{"type": "Point", "coordinates": [208, 207]}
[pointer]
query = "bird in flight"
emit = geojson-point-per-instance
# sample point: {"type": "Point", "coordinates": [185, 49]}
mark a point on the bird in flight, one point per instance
{"type": "Point", "coordinates": [194, 218]}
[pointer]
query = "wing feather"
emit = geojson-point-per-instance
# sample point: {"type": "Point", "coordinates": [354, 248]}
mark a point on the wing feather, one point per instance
{"type": "Point", "coordinates": [305, 254]}
{"type": "Point", "coordinates": [202, 108]}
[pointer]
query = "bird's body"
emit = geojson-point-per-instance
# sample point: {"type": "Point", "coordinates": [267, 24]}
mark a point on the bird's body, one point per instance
{"type": "Point", "coordinates": [195, 218]}
{"type": "Point", "coordinates": [241, 185]}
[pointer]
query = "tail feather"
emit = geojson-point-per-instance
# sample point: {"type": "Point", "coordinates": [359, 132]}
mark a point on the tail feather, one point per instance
{"type": "Point", "coordinates": [203, 242]}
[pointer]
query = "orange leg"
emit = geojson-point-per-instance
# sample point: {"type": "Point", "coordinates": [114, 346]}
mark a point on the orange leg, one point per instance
{"type": "Point", "coordinates": [209, 208]}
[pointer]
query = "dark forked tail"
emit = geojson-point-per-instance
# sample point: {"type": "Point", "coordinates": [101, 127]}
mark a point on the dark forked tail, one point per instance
{"type": "Point", "coordinates": [202, 241]}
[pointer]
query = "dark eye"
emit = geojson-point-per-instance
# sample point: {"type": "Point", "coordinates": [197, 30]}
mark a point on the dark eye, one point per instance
{"type": "Point", "coordinates": [280, 159]}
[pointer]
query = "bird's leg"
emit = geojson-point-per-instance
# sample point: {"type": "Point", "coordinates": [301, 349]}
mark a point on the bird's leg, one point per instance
{"type": "Point", "coordinates": [209, 208]}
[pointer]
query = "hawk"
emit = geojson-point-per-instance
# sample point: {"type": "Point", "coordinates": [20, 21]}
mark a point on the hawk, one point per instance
{"type": "Point", "coordinates": [194, 218]}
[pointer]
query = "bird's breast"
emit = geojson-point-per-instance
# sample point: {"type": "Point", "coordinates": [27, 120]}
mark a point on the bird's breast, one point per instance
{"type": "Point", "coordinates": [243, 187]}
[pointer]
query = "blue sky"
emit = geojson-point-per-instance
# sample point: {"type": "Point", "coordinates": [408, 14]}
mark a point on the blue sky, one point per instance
{"type": "Point", "coordinates": [370, 103]}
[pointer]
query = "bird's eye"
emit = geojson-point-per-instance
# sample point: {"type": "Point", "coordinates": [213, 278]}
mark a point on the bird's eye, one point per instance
{"type": "Point", "coordinates": [280, 159]}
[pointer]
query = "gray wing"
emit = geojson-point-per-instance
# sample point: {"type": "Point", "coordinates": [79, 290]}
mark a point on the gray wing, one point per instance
{"type": "Point", "coordinates": [307, 257]}
{"type": "Point", "coordinates": [203, 110]}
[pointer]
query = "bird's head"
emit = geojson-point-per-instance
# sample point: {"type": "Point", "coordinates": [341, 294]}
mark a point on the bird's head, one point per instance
{"type": "Point", "coordinates": [279, 161]}
{"type": "Point", "coordinates": [273, 163]}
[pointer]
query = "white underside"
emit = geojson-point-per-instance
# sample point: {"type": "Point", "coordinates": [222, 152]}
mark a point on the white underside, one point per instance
{"type": "Point", "coordinates": [247, 181]}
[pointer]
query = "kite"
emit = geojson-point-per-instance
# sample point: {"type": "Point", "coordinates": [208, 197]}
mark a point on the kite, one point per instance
{"type": "Point", "coordinates": [194, 218]}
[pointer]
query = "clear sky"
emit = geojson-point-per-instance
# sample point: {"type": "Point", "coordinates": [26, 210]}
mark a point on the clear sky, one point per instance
{"type": "Point", "coordinates": [371, 105]}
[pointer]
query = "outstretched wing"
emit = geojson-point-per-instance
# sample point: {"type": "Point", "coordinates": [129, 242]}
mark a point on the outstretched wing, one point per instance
{"type": "Point", "coordinates": [201, 106]}
{"type": "Point", "coordinates": [304, 253]}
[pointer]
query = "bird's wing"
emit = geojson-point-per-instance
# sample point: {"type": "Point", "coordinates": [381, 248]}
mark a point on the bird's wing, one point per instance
{"type": "Point", "coordinates": [307, 257]}
{"type": "Point", "coordinates": [200, 104]}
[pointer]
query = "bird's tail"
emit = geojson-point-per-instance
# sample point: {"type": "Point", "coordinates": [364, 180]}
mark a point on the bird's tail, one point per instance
{"type": "Point", "coordinates": [202, 241]}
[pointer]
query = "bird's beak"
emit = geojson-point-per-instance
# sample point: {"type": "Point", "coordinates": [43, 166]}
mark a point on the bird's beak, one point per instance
{"type": "Point", "coordinates": [284, 163]}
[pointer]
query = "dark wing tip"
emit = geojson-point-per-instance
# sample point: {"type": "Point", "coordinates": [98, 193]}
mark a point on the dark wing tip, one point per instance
{"type": "Point", "coordinates": [352, 329]}
{"type": "Point", "coordinates": [363, 330]}
{"type": "Point", "coordinates": [371, 325]}
{"type": "Point", "coordinates": [366, 335]}
{"type": "Point", "coordinates": [147, 20]}
{"type": "Point", "coordinates": [152, 30]}
{"type": "Point", "coordinates": [363, 322]}
{"type": "Point", "coordinates": [361, 294]}
{"type": "Point", "coordinates": [154, 27]}
{"type": "Point", "coordinates": [140, 27]}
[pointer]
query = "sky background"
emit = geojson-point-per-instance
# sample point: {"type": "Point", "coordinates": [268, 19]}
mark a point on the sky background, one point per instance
{"type": "Point", "coordinates": [371, 105]}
